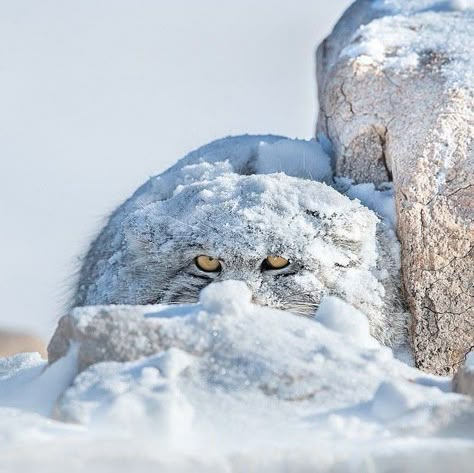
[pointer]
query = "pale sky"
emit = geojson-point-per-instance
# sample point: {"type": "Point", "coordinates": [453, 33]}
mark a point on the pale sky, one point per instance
{"type": "Point", "coordinates": [98, 95]}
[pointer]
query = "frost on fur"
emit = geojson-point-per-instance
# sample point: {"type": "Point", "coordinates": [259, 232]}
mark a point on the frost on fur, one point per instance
{"type": "Point", "coordinates": [213, 203]}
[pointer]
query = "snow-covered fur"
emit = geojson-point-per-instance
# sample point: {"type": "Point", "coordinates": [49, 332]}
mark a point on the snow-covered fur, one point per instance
{"type": "Point", "coordinates": [213, 203]}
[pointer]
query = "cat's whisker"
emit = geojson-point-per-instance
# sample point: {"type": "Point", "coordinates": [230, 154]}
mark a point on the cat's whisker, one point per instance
{"type": "Point", "coordinates": [306, 291]}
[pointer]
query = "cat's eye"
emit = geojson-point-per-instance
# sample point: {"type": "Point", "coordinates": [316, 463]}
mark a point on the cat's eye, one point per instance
{"type": "Point", "coordinates": [208, 264]}
{"type": "Point", "coordinates": [275, 262]}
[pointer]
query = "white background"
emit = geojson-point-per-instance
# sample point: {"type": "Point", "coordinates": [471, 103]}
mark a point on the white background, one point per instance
{"type": "Point", "coordinates": [97, 95]}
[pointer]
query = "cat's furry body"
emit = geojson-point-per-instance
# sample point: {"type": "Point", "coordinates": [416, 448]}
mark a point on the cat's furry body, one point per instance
{"type": "Point", "coordinates": [211, 203]}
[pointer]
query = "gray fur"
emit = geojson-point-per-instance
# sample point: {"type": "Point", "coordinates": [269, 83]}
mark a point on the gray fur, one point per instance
{"type": "Point", "coordinates": [145, 253]}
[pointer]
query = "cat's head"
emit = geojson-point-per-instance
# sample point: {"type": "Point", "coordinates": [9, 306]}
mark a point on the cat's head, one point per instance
{"type": "Point", "coordinates": [292, 241]}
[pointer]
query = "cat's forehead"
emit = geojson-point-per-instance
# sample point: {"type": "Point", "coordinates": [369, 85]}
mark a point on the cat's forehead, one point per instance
{"type": "Point", "coordinates": [273, 195]}
{"type": "Point", "coordinates": [255, 214]}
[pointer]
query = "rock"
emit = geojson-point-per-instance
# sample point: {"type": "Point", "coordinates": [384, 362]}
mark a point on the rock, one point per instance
{"type": "Point", "coordinates": [12, 343]}
{"type": "Point", "coordinates": [396, 92]}
{"type": "Point", "coordinates": [113, 333]}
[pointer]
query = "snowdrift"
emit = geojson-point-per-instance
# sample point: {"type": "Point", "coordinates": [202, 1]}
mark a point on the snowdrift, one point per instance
{"type": "Point", "coordinates": [228, 386]}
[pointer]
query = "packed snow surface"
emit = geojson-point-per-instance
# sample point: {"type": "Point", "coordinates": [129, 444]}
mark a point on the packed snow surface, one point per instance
{"type": "Point", "coordinates": [249, 388]}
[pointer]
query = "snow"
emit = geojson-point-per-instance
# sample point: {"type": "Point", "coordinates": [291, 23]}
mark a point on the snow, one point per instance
{"type": "Point", "coordinates": [381, 200]}
{"type": "Point", "coordinates": [409, 7]}
{"type": "Point", "coordinates": [414, 32]}
{"type": "Point", "coordinates": [250, 388]}
{"type": "Point", "coordinates": [244, 387]}
{"type": "Point", "coordinates": [256, 154]}
{"type": "Point", "coordinates": [27, 369]}
{"type": "Point", "coordinates": [237, 386]}
{"type": "Point", "coordinates": [298, 158]}
{"type": "Point", "coordinates": [337, 315]}
{"type": "Point", "coordinates": [469, 363]}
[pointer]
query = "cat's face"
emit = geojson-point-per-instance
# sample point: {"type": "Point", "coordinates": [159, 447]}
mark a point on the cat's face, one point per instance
{"type": "Point", "coordinates": [291, 241]}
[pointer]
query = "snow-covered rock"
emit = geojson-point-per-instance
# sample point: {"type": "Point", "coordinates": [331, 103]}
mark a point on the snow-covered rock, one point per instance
{"type": "Point", "coordinates": [232, 386]}
{"type": "Point", "coordinates": [396, 93]}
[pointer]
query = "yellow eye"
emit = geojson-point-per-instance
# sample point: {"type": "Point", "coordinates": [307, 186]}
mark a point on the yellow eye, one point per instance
{"type": "Point", "coordinates": [276, 262]}
{"type": "Point", "coordinates": [208, 264]}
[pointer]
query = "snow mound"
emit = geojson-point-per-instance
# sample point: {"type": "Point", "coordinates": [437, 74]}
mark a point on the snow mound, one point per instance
{"type": "Point", "coordinates": [252, 387]}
